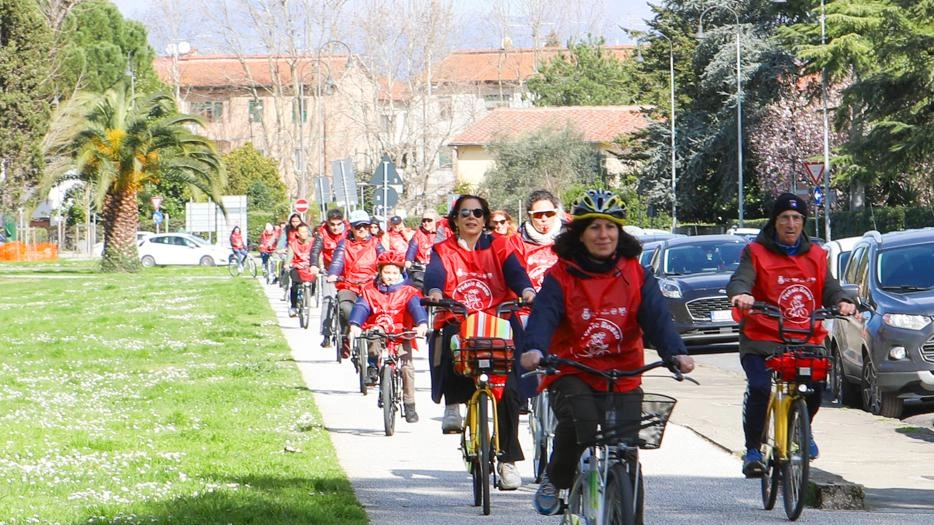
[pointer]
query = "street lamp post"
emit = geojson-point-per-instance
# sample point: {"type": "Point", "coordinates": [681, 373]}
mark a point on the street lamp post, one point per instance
{"type": "Point", "coordinates": [739, 101]}
{"type": "Point", "coordinates": [671, 85]}
{"type": "Point", "coordinates": [823, 90]}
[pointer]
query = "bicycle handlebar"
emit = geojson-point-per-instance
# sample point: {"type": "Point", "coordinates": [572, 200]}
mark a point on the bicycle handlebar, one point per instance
{"type": "Point", "coordinates": [794, 335]}
{"type": "Point", "coordinates": [459, 308]}
{"type": "Point", "coordinates": [548, 366]}
{"type": "Point", "coordinates": [374, 335]}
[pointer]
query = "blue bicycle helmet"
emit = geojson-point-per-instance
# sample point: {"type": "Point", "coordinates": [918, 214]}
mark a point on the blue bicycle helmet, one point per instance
{"type": "Point", "coordinates": [599, 204]}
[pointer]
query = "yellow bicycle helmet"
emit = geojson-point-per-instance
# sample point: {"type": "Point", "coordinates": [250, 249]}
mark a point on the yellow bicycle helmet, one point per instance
{"type": "Point", "coordinates": [599, 204]}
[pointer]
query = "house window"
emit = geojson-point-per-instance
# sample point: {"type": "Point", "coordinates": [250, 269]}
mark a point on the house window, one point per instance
{"type": "Point", "coordinates": [445, 108]}
{"type": "Point", "coordinates": [256, 110]}
{"type": "Point", "coordinates": [445, 158]}
{"type": "Point", "coordinates": [495, 101]}
{"type": "Point", "coordinates": [296, 104]}
{"type": "Point", "coordinates": [210, 110]}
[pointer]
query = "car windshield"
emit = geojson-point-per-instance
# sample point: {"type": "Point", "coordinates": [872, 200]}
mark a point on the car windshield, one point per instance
{"type": "Point", "coordinates": [906, 268]}
{"type": "Point", "coordinates": [706, 257]}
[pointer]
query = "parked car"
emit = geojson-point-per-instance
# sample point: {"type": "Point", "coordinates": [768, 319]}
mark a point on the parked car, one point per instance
{"type": "Point", "coordinates": [884, 356]}
{"type": "Point", "coordinates": [180, 248]}
{"type": "Point", "coordinates": [838, 253]}
{"type": "Point", "coordinates": [693, 273]}
{"type": "Point", "coordinates": [648, 250]}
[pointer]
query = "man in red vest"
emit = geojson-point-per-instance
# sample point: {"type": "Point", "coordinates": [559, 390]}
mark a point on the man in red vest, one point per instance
{"type": "Point", "coordinates": [353, 266]}
{"type": "Point", "coordinates": [322, 252]}
{"type": "Point", "coordinates": [783, 268]}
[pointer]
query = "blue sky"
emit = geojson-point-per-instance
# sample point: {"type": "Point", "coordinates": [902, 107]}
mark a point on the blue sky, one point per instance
{"type": "Point", "coordinates": [626, 13]}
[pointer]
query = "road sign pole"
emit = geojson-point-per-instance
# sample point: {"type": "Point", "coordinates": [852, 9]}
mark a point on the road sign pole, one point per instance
{"type": "Point", "coordinates": [385, 188]}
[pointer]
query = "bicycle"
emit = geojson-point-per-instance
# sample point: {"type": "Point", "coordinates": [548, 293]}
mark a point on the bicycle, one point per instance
{"type": "Point", "coordinates": [390, 374]}
{"type": "Point", "coordinates": [331, 322]}
{"type": "Point", "coordinates": [235, 267]}
{"type": "Point", "coordinates": [795, 368]}
{"type": "Point", "coordinates": [488, 360]}
{"type": "Point", "coordinates": [542, 423]}
{"type": "Point", "coordinates": [305, 296]}
{"type": "Point", "coordinates": [608, 487]}
{"type": "Point", "coordinates": [271, 268]}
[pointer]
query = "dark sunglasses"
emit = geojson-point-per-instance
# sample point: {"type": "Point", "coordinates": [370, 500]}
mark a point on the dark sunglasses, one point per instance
{"type": "Point", "coordinates": [545, 213]}
{"type": "Point", "coordinates": [501, 221]}
{"type": "Point", "coordinates": [476, 212]}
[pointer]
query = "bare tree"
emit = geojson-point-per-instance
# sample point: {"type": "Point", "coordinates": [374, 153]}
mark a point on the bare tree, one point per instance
{"type": "Point", "coordinates": [55, 11]}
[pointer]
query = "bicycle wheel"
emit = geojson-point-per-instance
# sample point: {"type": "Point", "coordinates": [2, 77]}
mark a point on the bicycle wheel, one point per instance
{"type": "Point", "coordinates": [233, 267]}
{"type": "Point", "coordinates": [773, 473]}
{"type": "Point", "coordinates": [360, 363]}
{"type": "Point", "coordinates": [269, 270]}
{"type": "Point", "coordinates": [385, 395]}
{"type": "Point", "coordinates": [574, 511]}
{"type": "Point", "coordinates": [305, 308]}
{"type": "Point", "coordinates": [250, 266]}
{"type": "Point", "coordinates": [336, 335]}
{"type": "Point", "coordinates": [638, 489]}
{"type": "Point", "coordinates": [539, 425]}
{"type": "Point", "coordinates": [795, 470]}
{"type": "Point", "coordinates": [620, 506]}
{"type": "Point", "coordinates": [484, 457]}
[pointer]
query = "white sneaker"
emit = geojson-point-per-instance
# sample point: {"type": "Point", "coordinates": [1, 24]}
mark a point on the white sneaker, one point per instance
{"type": "Point", "coordinates": [452, 422]}
{"type": "Point", "coordinates": [509, 478]}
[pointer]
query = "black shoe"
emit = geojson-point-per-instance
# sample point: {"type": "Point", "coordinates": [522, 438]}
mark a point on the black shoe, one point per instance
{"type": "Point", "coordinates": [411, 416]}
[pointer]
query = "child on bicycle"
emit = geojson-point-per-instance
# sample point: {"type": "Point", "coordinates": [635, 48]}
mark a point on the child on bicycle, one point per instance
{"type": "Point", "coordinates": [595, 305]}
{"type": "Point", "coordinates": [237, 245]}
{"type": "Point", "coordinates": [391, 305]}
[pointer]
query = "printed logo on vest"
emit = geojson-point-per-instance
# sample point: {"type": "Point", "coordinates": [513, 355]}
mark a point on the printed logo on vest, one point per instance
{"type": "Point", "coordinates": [474, 293]}
{"type": "Point", "coordinates": [796, 303]}
{"type": "Point", "coordinates": [600, 336]}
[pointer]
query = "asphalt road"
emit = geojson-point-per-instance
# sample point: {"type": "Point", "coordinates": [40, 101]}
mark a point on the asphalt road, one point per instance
{"type": "Point", "coordinates": [417, 475]}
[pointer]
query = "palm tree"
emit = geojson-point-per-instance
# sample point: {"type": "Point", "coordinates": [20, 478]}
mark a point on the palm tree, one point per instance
{"type": "Point", "coordinates": [116, 144]}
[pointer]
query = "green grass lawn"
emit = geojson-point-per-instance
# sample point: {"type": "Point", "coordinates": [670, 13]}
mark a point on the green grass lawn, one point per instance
{"type": "Point", "coordinates": [165, 397]}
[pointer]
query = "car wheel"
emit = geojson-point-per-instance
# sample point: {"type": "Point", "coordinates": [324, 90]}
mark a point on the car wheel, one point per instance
{"type": "Point", "coordinates": [147, 261]}
{"type": "Point", "coordinates": [206, 261]}
{"type": "Point", "coordinates": [843, 391]}
{"type": "Point", "coordinates": [885, 404]}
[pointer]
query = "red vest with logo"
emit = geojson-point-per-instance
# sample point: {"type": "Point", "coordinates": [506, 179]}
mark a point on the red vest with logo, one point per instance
{"type": "Point", "coordinates": [474, 278]}
{"type": "Point", "coordinates": [389, 311]}
{"type": "Point", "coordinates": [397, 243]}
{"type": "Point", "coordinates": [359, 264]}
{"type": "Point", "coordinates": [329, 243]}
{"type": "Point", "coordinates": [600, 326]}
{"type": "Point", "coordinates": [535, 258]}
{"type": "Point", "coordinates": [794, 284]}
{"type": "Point", "coordinates": [301, 258]}
{"type": "Point", "coordinates": [424, 240]}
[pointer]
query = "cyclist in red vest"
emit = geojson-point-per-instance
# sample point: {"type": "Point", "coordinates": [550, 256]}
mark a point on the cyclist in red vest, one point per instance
{"type": "Point", "coordinates": [289, 231]}
{"type": "Point", "coordinates": [301, 271]}
{"type": "Point", "coordinates": [397, 237]}
{"type": "Point", "coordinates": [467, 269]}
{"type": "Point", "coordinates": [238, 245]}
{"type": "Point", "coordinates": [354, 264]}
{"type": "Point", "coordinates": [392, 306]}
{"type": "Point", "coordinates": [781, 267]}
{"type": "Point", "coordinates": [327, 236]}
{"type": "Point", "coordinates": [424, 237]}
{"type": "Point", "coordinates": [267, 244]}
{"type": "Point", "coordinates": [595, 305]}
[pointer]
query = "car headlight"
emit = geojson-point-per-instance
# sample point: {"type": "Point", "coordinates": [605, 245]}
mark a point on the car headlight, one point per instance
{"type": "Point", "coordinates": [911, 322]}
{"type": "Point", "coordinates": [670, 288]}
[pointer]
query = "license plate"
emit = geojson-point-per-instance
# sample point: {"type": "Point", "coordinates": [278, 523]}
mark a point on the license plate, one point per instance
{"type": "Point", "coordinates": [721, 315]}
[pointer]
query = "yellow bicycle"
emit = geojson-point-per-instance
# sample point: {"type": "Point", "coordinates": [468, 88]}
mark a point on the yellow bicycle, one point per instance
{"type": "Point", "coordinates": [488, 359]}
{"type": "Point", "coordinates": [796, 367]}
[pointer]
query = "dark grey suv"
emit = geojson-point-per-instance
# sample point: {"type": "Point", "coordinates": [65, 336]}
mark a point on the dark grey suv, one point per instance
{"type": "Point", "coordinates": [693, 273]}
{"type": "Point", "coordinates": [884, 355]}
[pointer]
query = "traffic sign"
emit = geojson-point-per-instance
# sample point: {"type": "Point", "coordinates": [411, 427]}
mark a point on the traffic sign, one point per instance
{"type": "Point", "coordinates": [156, 201]}
{"type": "Point", "coordinates": [818, 195]}
{"type": "Point", "coordinates": [386, 173]}
{"type": "Point", "coordinates": [392, 197]}
{"type": "Point", "coordinates": [158, 217]}
{"type": "Point", "coordinates": [301, 205]}
{"type": "Point", "coordinates": [815, 171]}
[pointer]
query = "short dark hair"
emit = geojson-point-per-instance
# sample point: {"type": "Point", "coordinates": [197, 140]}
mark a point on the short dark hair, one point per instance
{"type": "Point", "coordinates": [541, 195]}
{"type": "Point", "coordinates": [568, 243]}
{"type": "Point", "coordinates": [456, 208]}
{"type": "Point", "coordinates": [335, 213]}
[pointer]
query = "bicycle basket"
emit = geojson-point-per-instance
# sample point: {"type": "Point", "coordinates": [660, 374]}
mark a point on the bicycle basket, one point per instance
{"type": "Point", "coordinates": [640, 419]}
{"type": "Point", "coordinates": [482, 355]}
{"type": "Point", "coordinates": [799, 367]}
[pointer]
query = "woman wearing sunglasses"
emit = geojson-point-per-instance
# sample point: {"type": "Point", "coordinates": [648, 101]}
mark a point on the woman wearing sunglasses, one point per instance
{"type": "Point", "coordinates": [465, 268]}
{"type": "Point", "coordinates": [501, 224]}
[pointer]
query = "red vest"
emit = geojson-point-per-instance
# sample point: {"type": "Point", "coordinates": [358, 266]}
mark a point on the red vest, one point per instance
{"type": "Point", "coordinates": [388, 310]}
{"type": "Point", "coordinates": [236, 241]}
{"type": "Point", "coordinates": [600, 326]}
{"type": "Point", "coordinates": [301, 258]}
{"type": "Point", "coordinates": [794, 284]}
{"type": "Point", "coordinates": [425, 240]}
{"type": "Point", "coordinates": [359, 264]}
{"type": "Point", "coordinates": [329, 243]}
{"type": "Point", "coordinates": [267, 242]}
{"type": "Point", "coordinates": [397, 243]}
{"type": "Point", "coordinates": [535, 258]}
{"type": "Point", "coordinates": [474, 278]}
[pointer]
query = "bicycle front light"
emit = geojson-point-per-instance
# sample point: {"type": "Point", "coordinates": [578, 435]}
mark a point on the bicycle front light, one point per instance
{"type": "Point", "coordinates": [484, 378]}
{"type": "Point", "coordinates": [670, 288]}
